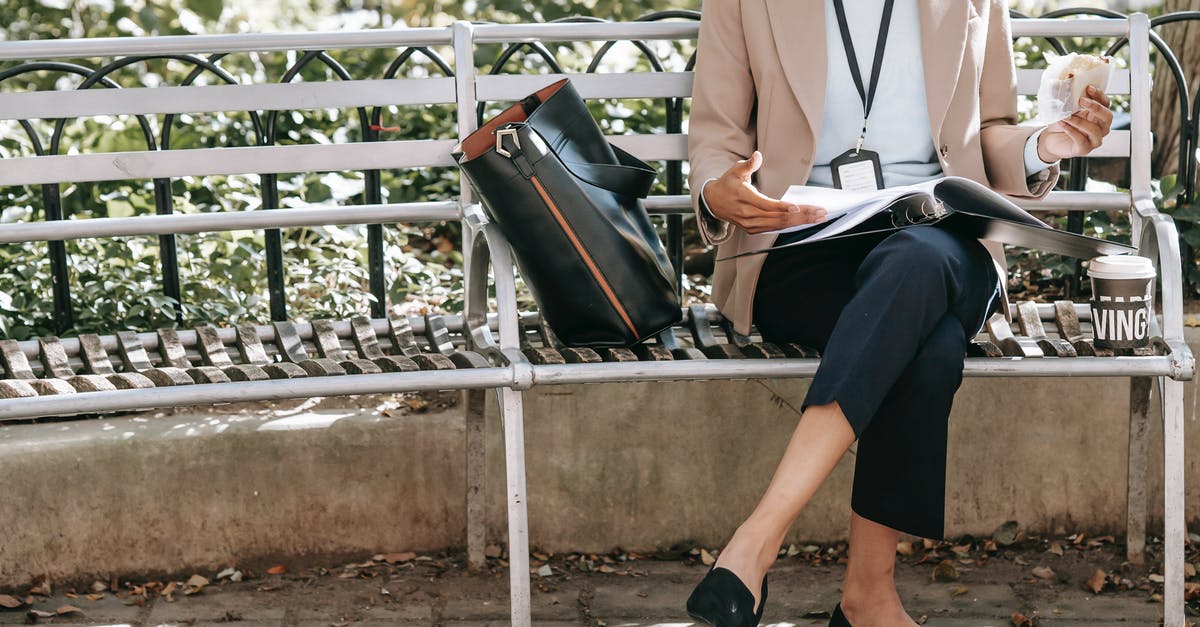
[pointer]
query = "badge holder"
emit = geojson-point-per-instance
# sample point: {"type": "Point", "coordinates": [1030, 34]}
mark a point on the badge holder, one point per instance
{"type": "Point", "coordinates": [857, 170]}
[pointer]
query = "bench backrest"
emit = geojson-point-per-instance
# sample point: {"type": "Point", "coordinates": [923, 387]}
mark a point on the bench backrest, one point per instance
{"type": "Point", "coordinates": [465, 89]}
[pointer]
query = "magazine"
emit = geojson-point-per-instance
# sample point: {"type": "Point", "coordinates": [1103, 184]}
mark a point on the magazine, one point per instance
{"type": "Point", "coordinates": [953, 203]}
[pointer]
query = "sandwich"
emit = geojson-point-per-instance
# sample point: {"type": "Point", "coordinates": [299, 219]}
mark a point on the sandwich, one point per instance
{"type": "Point", "coordinates": [1065, 80]}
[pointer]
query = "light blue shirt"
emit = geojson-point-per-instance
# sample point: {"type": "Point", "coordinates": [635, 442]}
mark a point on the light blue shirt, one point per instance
{"type": "Point", "coordinates": [898, 128]}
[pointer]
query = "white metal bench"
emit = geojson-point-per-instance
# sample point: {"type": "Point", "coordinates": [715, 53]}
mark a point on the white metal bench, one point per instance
{"type": "Point", "coordinates": [494, 346]}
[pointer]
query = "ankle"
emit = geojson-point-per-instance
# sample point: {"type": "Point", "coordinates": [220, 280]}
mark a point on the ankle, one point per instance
{"type": "Point", "coordinates": [872, 604]}
{"type": "Point", "coordinates": [755, 544]}
{"type": "Point", "coordinates": [878, 586]}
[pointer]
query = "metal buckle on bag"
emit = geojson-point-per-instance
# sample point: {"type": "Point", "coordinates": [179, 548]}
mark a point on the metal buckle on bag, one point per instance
{"type": "Point", "coordinates": [500, 135]}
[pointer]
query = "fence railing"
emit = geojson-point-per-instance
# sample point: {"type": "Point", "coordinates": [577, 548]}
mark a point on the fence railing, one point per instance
{"type": "Point", "coordinates": [97, 90]}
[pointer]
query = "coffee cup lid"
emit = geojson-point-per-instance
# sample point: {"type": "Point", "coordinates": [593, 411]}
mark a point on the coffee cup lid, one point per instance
{"type": "Point", "coordinates": [1121, 267]}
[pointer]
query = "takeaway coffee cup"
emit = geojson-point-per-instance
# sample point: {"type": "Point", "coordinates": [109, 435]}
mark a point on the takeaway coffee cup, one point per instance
{"type": "Point", "coordinates": [1122, 293]}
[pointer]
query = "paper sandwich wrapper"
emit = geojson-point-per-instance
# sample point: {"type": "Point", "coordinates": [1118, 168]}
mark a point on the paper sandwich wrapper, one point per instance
{"type": "Point", "coordinates": [1065, 80]}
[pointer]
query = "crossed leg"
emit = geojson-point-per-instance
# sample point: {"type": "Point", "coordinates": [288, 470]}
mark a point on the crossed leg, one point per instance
{"type": "Point", "coordinates": [876, 384]}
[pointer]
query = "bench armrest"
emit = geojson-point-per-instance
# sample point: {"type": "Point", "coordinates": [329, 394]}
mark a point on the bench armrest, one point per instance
{"type": "Point", "coordinates": [1159, 241]}
{"type": "Point", "coordinates": [487, 247]}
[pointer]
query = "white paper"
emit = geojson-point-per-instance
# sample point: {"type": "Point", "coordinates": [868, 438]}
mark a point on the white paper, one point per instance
{"type": "Point", "coordinates": [850, 208]}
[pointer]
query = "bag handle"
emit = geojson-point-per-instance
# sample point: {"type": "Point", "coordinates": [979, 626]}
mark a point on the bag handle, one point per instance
{"type": "Point", "coordinates": [632, 178]}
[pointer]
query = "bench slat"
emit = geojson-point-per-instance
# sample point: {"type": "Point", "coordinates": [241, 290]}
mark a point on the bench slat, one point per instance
{"type": "Point", "coordinates": [209, 44]}
{"type": "Point", "coordinates": [510, 87]}
{"type": "Point", "coordinates": [370, 92]}
{"type": "Point", "coordinates": [213, 98]}
{"type": "Point", "coordinates": [118, 166]}
{"type": "Point", "coordinates": [317, 215]}
{"type": "Point", "coordinates": [659, 146]}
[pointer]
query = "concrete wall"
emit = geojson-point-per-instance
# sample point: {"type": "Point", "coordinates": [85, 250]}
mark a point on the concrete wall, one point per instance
{"type": "Point", "coordinates": [638, 466]}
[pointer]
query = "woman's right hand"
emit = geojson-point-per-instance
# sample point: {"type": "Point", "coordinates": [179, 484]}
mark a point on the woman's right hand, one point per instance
{"type": "Point", "coordinates": [733, 198]}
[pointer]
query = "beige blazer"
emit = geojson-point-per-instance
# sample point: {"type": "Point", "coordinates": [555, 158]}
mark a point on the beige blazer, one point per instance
{"type": "Point", "coordinates": [760, 83]}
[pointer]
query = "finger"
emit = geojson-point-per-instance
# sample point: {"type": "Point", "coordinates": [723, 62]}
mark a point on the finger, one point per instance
{"type": "Point", "coordinates": [1093, 117]}
{"type": "Point", "coordinates": [813, 213]}
{"type": "Point", "coordinates": [745, 167]}
{"type": "Point", "coordinates": [1098, 95]}
{"type": "Point", "coordinates": [766, 204]}
{"type": "Point", "coordinates": [1084, 124]}
{"type": "Point", "coordinates": [762, 202]}
{"type": "Point", "coordinates": [777, 221]}
{"type": "Point", "coordinates": [1097, 113]}
{"type": "Point", "coordinates": [1092, 132]}
{"type": "Point", "coordinates": [773, 224]}
{"type": "Point", "coordinates": [1079, 141]}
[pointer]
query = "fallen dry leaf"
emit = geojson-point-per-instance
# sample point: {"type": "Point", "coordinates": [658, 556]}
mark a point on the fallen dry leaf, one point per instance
{"type": "Point", "coordinates": [958, 591]}
{"type": "Point", "coordinates": [707, 558]}
{"type": "Point", "coordinates": [41, 586]}
{"type": "Point", "coordinates": [1191, 590]}
{"type": "Point", "coordinates": [1007, 534]}
{"type": "Point", "coordinates": [905, 549]}
{"type": "Point", "coordinates": [1096, 583]}
{"type": "Point", "coordinates": [195, 585]}
{"type": "Point", "coordinates": [95, 597]}
{"type": "Point", "coordinates": [278, 569]}
{"type": "Point", "coordinates": [1055, 548]}
{"type": "Point", "coordinates": [944, 571]}
{"type": "Point", "coordinates": [36, 614]}
{"type": "Point", "coordinates": [1043, 572]}
{"type": "Point", "coordinates": [408, 556]}
{"type": "Point", "coordinates": [1021, 620]}
{"type": "Point", "coordinates": [9, 602]}
{"type": "Point", "coordinates": [99, 586]}
{"type": "Point", "coordinates": [68, 609]}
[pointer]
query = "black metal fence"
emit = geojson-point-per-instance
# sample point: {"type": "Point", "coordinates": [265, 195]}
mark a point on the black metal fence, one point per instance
{"type": "Point", "coordinates": [266, 126]}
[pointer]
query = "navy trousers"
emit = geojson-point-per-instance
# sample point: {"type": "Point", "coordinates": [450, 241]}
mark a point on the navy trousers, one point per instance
{"type": "Point", "coordinates": [892, 317]}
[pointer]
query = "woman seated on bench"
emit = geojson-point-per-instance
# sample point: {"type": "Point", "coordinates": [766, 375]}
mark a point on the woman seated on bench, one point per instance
{"type": "Point", "coordinates": [789, 92]}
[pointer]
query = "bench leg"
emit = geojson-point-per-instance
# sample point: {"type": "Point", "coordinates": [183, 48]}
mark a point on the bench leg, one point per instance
{"type": "Point", "coordinates": [512, 414]}
{"type": "Point", "coordinates": [1174, 516]}
{"type": "Point", "coordinates": [1139, 451]}
{"type": "Point", "coordinates": [476, 478]}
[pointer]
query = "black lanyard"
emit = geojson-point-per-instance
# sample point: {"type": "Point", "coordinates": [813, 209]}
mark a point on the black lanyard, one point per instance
{"type": "Point", "coordinates": [867, 95]}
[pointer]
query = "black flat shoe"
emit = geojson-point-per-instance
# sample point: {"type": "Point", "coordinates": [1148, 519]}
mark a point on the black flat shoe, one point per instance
{"type": "Point", "coordinates": [722, 600]}
{"type": "Point", "coordinates": [839, 619]}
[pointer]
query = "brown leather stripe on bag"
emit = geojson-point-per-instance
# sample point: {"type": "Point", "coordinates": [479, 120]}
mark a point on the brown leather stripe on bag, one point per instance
{"type": "Point", "coordinates": [587, 259]}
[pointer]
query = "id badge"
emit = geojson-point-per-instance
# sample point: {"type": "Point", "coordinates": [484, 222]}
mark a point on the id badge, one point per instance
{"type": "Point", "coordinates": [857, 171]}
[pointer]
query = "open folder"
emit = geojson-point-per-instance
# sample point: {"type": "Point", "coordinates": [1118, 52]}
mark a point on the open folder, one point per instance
{"type": "Point", "coordinates": [954, 203]}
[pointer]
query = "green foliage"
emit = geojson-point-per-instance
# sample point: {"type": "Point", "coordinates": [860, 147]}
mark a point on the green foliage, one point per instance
{"type": "Point", "coordinates": [116, 283]}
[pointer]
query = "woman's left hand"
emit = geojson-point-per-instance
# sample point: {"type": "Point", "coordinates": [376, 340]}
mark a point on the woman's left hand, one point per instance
{"type": "Point", "coordinates": [1080, 133]}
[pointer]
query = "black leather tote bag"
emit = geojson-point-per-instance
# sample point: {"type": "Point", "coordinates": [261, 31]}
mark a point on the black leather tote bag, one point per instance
{"type": "Point", "coordinates": [567, 201]}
